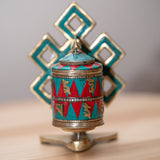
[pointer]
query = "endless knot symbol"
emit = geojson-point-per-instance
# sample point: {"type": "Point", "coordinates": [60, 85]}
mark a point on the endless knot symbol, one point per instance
{"type": "Point", "coordinates": [94, 50]}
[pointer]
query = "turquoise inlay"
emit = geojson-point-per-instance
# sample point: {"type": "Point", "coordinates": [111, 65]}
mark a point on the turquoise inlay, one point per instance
{"type": "Point", "coordinates": [57, 84]}
{"type": "Point", "coordinates": [68, 67]}
{"type": "Point", "coordinates": [71, 114]}
{"type": "Point", "coordinates": [108, 42]}
{"type": "Point", "coordinates": [62, 68]}
{"type": "Point", "coordinates": [95, 83]}
{"type": "Point", "coordinates": [116, 81]}
{"type": "Point", "coordinates": [55, 49]}
{"type": "Point", "coordinates": [95, 113]}
{"type": "Point", "coordinates": [56, 66]}
{"type": "Point", "coordinates": [59, 116]}
{"type": "Point", "coordinates": [69, 84]}
{"type": "Point", "coordinates": [80, 83]}
{"type": "Point", "coordinates": [46, 70]}
{"type": "Point", "coordinates": [81, 114]}
{"type": "Point", "coordinates": [76, 57]}
{"type": "Point", "coordinates": [53, 109]}
{"type": "Point", "coordinates": [40, 82]}
{"type": "Point", "coordinates": [100, 82]}
{"type": "Point", "coordinates": [96, 66]}
{"type": "Point", "coordinates": [87, 68]}
{"type": "Point", "coordinates": [67, 16]}
{"type": "Point", "coordinates": [78, 68]}
{"type": "Point", "coordinates": [82, 68]}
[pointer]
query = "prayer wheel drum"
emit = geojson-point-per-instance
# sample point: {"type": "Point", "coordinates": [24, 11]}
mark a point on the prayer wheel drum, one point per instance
{"type": "Point", "coordinates": [77, 94]}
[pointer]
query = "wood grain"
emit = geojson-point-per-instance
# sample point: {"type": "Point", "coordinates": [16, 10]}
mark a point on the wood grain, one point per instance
{"type": "Point", "coordinates": [136, 118]}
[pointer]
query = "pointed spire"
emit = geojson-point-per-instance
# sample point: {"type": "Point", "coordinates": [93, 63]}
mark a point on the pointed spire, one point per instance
{"type": "Point", "coordinates": [76, 46]}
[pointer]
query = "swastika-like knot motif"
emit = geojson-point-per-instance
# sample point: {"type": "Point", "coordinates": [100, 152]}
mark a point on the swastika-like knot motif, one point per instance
{"type": "Point", "coordinates": [102, 42]}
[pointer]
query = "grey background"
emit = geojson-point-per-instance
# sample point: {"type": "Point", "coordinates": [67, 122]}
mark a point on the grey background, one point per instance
{"type": "Point", "coordinates": [133, 24]}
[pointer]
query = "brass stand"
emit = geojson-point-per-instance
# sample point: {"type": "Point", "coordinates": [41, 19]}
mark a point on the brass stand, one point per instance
{"type": "Point", "coordinates": [79, 141]}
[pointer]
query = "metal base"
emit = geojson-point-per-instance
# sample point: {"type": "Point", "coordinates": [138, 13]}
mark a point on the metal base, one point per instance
{"type": "Point", "coordinates": [79, 141]}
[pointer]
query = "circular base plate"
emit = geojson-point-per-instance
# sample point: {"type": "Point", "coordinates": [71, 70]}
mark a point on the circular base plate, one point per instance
{"type": "Point", "coordinates": [79, 141]}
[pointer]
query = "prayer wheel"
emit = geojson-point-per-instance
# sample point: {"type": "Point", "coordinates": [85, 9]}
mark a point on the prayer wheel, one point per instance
{"type": "Point", "coordinates": [77, 93]}
{"type": "Point", "coordinates": [77, 98]}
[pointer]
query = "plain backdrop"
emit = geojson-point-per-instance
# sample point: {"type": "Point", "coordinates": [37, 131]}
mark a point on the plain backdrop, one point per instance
{"type": "Point", "coordinates": [133, 24]}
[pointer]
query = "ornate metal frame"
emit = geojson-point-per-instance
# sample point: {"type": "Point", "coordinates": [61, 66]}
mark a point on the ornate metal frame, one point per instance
{"type": "Point", "coordinates": [103, 41]}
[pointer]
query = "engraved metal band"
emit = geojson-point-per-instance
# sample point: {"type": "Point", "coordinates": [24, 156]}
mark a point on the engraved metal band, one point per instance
{"type": "Point", "coordinates": [78, 62]}
{"type": "Point", "coordinates": [77, 73]}
{"type": "Point", "coordinates": [77, 76]}
{"type": "Point", "coordinates": [78, 124]}
{"type": "Point", "coordinates": [93, 71]}
{"type": "Point", "coordinates": [73, 99]}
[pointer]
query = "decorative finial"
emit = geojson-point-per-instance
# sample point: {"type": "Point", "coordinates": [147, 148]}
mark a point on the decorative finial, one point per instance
{"type": "Point", "coordinates": [76, 46]}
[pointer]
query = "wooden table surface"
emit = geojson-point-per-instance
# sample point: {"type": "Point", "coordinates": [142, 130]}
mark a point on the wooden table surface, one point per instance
{"type": "Point", "coordinates": [136, 118]}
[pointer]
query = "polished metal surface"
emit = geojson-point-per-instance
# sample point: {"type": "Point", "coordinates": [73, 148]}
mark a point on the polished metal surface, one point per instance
{"type": "Point", "coordinates": [79, 141]}
{"type": "Point", "coordinates": [77, 63]}
{"type": "Point", "coordinates": [77, 73]}
{"type": "Point", "coordinates": [69, 99]}
{"type": "Point", "coordinates": [78, 124]}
